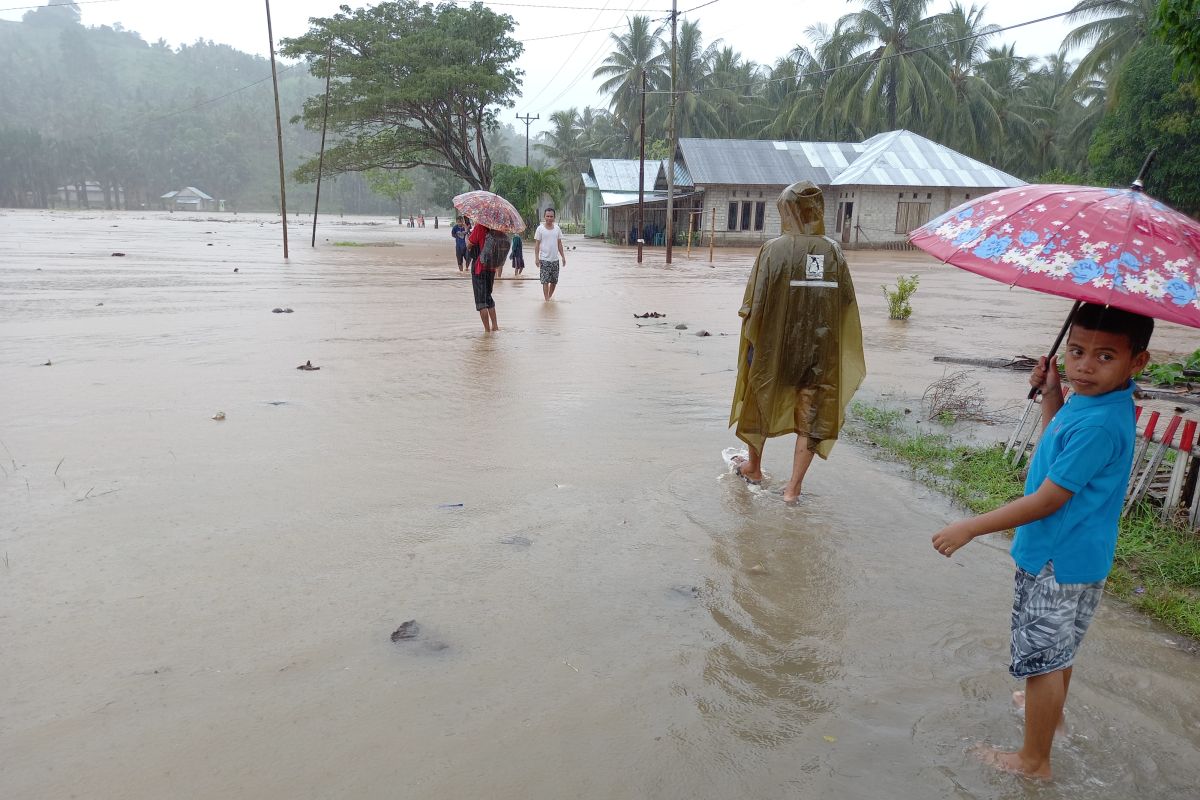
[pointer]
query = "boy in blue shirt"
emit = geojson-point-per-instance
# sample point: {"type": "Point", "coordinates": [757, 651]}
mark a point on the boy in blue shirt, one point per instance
{"type": "Point", "coordinates": [1067, 521]}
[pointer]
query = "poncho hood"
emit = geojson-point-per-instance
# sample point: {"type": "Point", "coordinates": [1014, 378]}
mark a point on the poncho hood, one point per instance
{"type": "Point", "coordinates": [802, 209]}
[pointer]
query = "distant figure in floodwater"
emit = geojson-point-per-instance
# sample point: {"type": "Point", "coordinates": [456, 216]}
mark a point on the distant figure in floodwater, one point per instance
{"type": "Point", "coordinates": [548, 252]}
{"type": "Point", "coordinates": [517, 255]}
{"type": "Point", "coordinates": [459, 232]}
{"type": "Point", "coordinates": [1067, 521]}
{"type": "Point", "coordinates": [421, 221]}
{"type": "Point", "coordinates": [801, 354]}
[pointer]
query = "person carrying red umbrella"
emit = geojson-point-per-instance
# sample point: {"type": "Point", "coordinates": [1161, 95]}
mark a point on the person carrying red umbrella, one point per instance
{"type": "Point", "coordinates": [1125, 259]}
{"type": "Point", "coordinates": [494, 218]}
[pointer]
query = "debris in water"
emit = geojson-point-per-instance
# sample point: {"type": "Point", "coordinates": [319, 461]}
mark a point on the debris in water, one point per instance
{"type": "Point", "coordinates": [219, 416]}
{"type": "Point", "coordinates": [517, 541]}
{"type": "Point", "coordinates": [407, 630]}
{"type": "Point", "coordinates": [47, 363]}
{"type": "Point", "coordinates": [686, 591]}
{"type": "Point", "coordinates": [757, 569]}
{"type": "Point", "coordinates": [277, 402]}
{"type": "Point", "coordinates": [649, 315]}
{"type": "Point", "coordinates": [235, 269]}
{"type": "Point", "coordinates": [210, 244]}
{"type": "Point", "coordinates": [830, 739]}
{"type": "Point", "coordinates": [118, 255]}
{"type": "Point", "coordinates": [307, 366]}
{"type": "Point", "coordinates": [1140, 590]}
{"type": "Point", "coordinates": [703, 333]}
{"type": "Point", "coordinates": [450, 505]}
{"type": "Point", "coordinates": [99, 304]}
{"type": "Point", "coordinates": [281, 311]}
{"type": "Point", "coordinates": [681, 327]}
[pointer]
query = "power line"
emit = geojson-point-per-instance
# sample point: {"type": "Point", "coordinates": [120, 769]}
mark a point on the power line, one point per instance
{"type": "Point", "coordinates": [591, 61]}
{"type": "Point", "coordinates": [879, 59]}
{"type": "Point", "coordinates": [57, 5]}
{"type": "Point", "coordinates": [551, 81]}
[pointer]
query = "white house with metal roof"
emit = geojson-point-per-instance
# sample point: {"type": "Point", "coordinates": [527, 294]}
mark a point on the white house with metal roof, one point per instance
{"type": "Point", "coordinates": [189, 198]}
{"type": "Point", "coordinates": [876, 191]}
{"type": "Point", "coordinates": [611, 182]}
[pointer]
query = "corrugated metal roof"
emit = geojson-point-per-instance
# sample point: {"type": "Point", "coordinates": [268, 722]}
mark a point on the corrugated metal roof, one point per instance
{"type": "Point", "coordinates": [902, 158]}
{"type": "Point", "coordinates": [610, 199]}
{"type": "Point", "coordinates": [683, 178]}
{"type": "Point", "coordinates": [588, 181]}
{"type": "Point", "coordinates": [759, 162]}
{"type": "Point", "coordinates": [196, 193]}
{"type": "Point", "coordinates": [621, 174]}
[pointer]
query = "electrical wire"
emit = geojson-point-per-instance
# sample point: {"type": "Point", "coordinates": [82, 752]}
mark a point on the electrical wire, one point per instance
{"type": "Point", "coordinates": [591, 62]}
{"type": "Point", "coordinates": [57, 5]}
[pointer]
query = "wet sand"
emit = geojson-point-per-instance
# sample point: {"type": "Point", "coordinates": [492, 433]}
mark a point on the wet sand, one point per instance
{"type": "Point", "coordinates": [203, 609]}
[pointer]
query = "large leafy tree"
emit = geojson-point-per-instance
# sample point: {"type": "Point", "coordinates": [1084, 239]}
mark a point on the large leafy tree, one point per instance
{"type": "Point", "coordinates": [1153, 110]}
{"type": "Point", "coordinates": [415, 85]}
{"type": "Point", "coordinates": [1179, 27]}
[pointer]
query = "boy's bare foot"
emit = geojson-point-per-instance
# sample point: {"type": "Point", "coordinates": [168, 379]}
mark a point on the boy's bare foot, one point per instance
{"type": "Point", "coordinates": [1013, 763]}
{"type": "Point", "coordinates": [1018, 701]}
{"type": "Point", "coordinates": [791, 494]}
{"type": "Point", "coordinates": [740, 468]}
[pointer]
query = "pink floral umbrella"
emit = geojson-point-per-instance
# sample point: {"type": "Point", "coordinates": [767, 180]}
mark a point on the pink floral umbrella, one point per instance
{"type": "Point", "coordinates": [490, 210]}
{"type": "Point", "coordinates": [1116, 247]}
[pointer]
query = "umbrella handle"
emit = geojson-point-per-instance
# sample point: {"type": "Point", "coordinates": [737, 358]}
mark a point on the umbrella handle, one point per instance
{"type": "Point", "coordinates": [1062, 334]}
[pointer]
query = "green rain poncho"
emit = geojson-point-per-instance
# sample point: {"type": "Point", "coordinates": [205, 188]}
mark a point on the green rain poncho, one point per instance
{"type": "Point", "coordinates": [801, 354]}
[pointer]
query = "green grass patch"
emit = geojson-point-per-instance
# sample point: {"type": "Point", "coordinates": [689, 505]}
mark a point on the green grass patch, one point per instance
{"type": "Point", "coordinates": [348, 244]}
{"type": "Point", "coordinates": [1157, 565]}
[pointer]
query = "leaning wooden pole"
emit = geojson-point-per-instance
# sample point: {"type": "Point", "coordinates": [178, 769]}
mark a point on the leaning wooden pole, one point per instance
{"type": "Point", "coordinates": [641, 228]}
{"type": "Point", "coordinates": [278, 130]}
{"type": "Point", "coordinates": [712, 234]}
{"type": "Point", "coordinates": [324, 126]}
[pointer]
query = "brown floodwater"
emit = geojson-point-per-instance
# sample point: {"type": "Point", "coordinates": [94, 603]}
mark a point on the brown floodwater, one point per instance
{"type": "Point", "coordinates": [200, 608]}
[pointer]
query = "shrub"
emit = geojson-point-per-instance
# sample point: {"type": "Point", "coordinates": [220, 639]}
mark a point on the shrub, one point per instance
{"type": "Point", "coordinates": [898, 305]}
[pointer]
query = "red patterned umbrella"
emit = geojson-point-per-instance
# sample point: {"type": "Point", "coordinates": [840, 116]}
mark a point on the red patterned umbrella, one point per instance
{"type": "Point", "coordinates": [1115, 247]}
{"type": "Point", "coordinates": [490, 210]}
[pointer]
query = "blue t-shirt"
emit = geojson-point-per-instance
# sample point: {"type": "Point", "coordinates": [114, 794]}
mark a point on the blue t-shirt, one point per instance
{"type": "Point", "coordinates": [1087, 449]}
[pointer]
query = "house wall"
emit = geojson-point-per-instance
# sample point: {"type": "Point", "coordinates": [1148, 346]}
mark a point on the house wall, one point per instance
{"type": "Point", "coordinates": [592, 217]}
{"type": "Point", "coordinates": [720, 196]}
{"type": "Point", "coordinates": [876, 209]}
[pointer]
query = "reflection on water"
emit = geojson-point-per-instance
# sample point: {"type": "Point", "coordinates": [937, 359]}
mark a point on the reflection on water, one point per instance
{"type": "Point", "coordinates": [200, 608]}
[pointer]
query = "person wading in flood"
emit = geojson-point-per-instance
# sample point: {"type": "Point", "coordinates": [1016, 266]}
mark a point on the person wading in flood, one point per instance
{"type": "Point", "coordinates": [493, 249]}
{"type": "Point", "coordinates": [1067, 521]}
{"type": "Point", "coordinates": [548, 253]}
{"type": "Point", "coordinates": [801, 354]}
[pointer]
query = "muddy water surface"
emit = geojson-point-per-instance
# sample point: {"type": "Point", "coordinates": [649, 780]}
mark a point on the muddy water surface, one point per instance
{"type": "Point", "coordinates": [200, 608]}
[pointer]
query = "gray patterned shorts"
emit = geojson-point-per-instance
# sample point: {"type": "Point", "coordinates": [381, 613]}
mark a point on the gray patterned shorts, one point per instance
{"type": "Point", "coordinates": [1049, 620]}
{"type": "Point", "coordinates": [548, 271]}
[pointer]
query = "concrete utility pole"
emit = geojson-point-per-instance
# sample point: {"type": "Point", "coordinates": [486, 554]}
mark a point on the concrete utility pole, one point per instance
{"type": "Point", "coordinates": [278, 131]}
{"type": "Point", "coordinates": [527, 119]}
{"type": "Point", "coordinates": [641, 230]}
{"type": "Point", "coordinates": [671, 135]}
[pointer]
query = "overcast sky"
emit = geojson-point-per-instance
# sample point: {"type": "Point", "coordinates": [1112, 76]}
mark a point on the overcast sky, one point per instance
{"type": "Point", "coordinates": [557, 70]}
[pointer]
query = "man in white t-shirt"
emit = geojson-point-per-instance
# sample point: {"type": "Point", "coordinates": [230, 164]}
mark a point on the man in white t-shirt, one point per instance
{"type": "Point", "coordinates": [548, 252]}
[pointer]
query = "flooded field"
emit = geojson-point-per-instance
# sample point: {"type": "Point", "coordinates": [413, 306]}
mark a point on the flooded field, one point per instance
{"type": "Point", "coordinates": [202, 608]}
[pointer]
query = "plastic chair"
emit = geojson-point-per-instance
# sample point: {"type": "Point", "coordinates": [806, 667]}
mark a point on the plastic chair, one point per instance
{"type": "Point", "coordinates": [659, 238]}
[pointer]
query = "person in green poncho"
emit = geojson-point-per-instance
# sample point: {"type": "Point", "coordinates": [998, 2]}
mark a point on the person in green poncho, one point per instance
{"type": "Point", "coordinates": [801, 357]}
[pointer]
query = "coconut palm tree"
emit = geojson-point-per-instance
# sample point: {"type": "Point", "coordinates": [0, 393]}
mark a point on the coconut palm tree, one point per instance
{"type": "Point", "coordinates": [1111, 29]}
{"type": "Point", "coordinates": [1007, 77]}
{"type": "Point", "coordinates": [970, 123]}
{"type": "Point", "coordinates": [564, 143]}
{"type": "Point", "coordinates": [637, 50]}
{"type": "Point", "coordinates": [694, 113]}
{"type": "Point", "coordinates": [730, 85]}
{"type": "Point", "coordinates": [895, 83]}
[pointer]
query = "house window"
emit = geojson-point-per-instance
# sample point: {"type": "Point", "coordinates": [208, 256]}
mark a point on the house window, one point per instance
{"type": "Point", "coordinates": [732, 220]}
{"type": "Point", "coordinates": [747, 209]}
{"type": "Point", "coordinates": [910, 216]}
{"type": "Point", "coordinates": [760, 215]}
